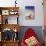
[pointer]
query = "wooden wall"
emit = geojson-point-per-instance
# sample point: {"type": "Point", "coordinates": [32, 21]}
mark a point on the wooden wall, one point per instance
{"type": "Point", "coordinates": [11, 26]}
{"type": "Point", "coordinates": [44, 6]}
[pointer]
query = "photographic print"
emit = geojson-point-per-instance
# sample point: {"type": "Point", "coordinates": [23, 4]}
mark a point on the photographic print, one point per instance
{"type": "Point", "coordinates": [5, 12]}
{"type": "Point", "coordinates": [30, 12]}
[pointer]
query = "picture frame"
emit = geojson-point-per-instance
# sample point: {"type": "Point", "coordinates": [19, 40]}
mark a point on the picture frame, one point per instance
{"type": "Point", "coordinates": [30, 13]}
{"type": "Point", "coordinates": [5, 12]}
{"type": "Point", "coordinates": [12, 18]}
{"type": "Point", "coordinates": [7, 34]}
{"type": "Point", "coordinates": [13, 12]}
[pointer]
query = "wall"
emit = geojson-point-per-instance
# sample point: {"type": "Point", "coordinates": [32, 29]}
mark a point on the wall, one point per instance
{"type": "Point", "coordinates": [38, 21]}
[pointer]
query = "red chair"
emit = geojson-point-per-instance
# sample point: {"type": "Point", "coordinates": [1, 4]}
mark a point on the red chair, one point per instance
{"type": "Point", "coordinates": [29, 33]}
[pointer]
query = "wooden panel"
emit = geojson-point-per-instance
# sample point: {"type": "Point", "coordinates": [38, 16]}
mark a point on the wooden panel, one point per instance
{"type": "Point", "coordinates": [9, 8]}
{"type": "Point", "coordinates": [44, 5]}
{"type": "Point", "coordinates": [10, 43]}
{"type": "Point", "coordinates": [11, 26]}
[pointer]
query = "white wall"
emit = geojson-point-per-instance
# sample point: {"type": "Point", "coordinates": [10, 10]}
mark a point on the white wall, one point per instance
{"type": "Point", "coordinates": [38, 21]}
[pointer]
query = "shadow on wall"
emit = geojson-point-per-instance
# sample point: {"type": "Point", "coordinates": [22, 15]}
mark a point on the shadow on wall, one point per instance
{"type": "Point", "coordinates": [37, 29]}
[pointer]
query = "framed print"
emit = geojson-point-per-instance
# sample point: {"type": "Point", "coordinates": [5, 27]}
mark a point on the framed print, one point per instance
{"type": "Point", "coordinates": [13, 12]}
{"type": "Point", "coordinates": [30, 12]}
{"type": "Point", "coordinates": [5, 12]}
{"type": "Point", "coordinates": [7, 34]}
{"type": "Point", "coordinates": [12, 20]}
